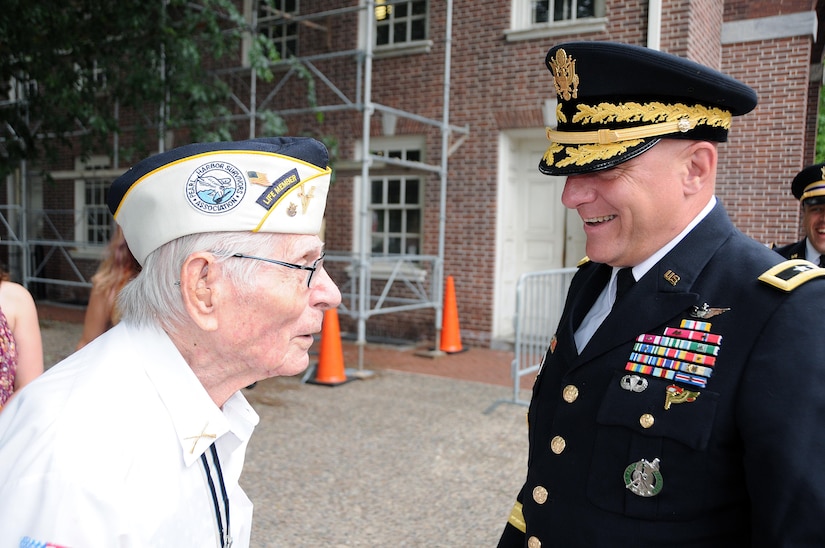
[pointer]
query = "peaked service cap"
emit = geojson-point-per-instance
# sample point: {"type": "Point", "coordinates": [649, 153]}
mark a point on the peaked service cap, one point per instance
{"type": "Point", "coordinates": [615, 101]}
{"type": "Point", "coordinates": [809, 185]}
{"type": "Point", "coordinates": [276, 184]}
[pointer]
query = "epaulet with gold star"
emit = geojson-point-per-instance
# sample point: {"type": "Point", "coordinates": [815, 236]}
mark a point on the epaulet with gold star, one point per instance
{"type": "Point", "coordinates": [584, 260]}
{"type": "Point", "coordinates": [792, 273]}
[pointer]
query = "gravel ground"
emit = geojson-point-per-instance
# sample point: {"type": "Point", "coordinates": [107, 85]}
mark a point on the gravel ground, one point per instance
{"type": "Point", "coordinates": [395, 459]}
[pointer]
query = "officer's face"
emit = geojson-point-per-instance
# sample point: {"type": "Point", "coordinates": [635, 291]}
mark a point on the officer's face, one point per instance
{"type": "Point", "coordinates": [634, 209]}
{"type": "Point", "coordinates": [813, 219]}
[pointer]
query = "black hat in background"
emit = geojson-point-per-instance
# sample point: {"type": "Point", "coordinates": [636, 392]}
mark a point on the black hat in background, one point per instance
{"type": "Point", "coordinates": [809, 185]}
{"type": "Point", "coordinates": [615, 101]}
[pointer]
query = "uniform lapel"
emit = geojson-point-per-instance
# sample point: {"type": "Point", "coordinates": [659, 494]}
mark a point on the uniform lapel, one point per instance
{"type": "Point", "coordinates": [584, 290]}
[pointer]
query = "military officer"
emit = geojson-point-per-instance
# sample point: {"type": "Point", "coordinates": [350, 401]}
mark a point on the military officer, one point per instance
{"type": "Point", "coordinates": [809, 188]}
{"type": "Point", "coordinates": [682, 400]}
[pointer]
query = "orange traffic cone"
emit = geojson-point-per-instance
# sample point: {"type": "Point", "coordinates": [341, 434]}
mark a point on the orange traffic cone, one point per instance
{"type": "Point", "coordinates": [450, 332]}
{"type": "Point", "coordinates": [330, 370]}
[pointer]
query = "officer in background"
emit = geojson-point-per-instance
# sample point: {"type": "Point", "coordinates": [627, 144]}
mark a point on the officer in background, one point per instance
{"type": "Point", "coordinates": [809, 188]}
{"type": "Point", "coordinates": [682, 399]}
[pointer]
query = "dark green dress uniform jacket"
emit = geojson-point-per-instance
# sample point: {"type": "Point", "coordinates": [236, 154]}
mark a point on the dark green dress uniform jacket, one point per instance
{"type": "Point", "coordinates": [743, 464]}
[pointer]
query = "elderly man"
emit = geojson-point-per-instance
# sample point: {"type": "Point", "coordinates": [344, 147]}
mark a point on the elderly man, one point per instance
{"type": "Point", "coordinates": [809, 188]}
{"type": "Point", "coordinates": [139, 438]}
{"type": "Point", "coordinates": [682, 400]}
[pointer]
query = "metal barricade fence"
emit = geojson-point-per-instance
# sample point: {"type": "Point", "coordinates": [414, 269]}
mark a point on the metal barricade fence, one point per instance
{"type": "Point", "coordinates": [539, 303]}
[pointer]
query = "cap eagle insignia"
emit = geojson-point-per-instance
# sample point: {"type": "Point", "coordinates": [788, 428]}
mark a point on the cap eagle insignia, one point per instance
{"type": "Point", "coordinates": [565, 78]}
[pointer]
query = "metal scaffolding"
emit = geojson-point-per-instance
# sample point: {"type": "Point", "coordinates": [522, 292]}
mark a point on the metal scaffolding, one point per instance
{"type": "Point", "coordinates": [420, 275]}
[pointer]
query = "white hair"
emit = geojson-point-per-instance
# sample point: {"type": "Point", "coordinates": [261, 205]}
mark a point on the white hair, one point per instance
{"type": "Point", "coordinates": [154, 296]}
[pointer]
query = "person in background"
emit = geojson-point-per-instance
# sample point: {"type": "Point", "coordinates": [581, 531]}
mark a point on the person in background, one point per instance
{"type": "Point", "coordinates": [681, 401]}
{"type": "Point", "coordinates": [117, 268]}
{"type": "Point", "coordinates": [139, 439]}
{"type": "Point", "coordinates": [21, 347]}
{"type": "Point", "coordinates": [809, 188]}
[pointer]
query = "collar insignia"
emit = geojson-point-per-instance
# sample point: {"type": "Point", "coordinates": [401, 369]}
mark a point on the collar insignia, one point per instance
{"type": "Point", "coordinates": [305, 198]}
{"type": "Point", "coordinates": [672, 278]}
{"type": "Point", "coordinates": [197, 438]}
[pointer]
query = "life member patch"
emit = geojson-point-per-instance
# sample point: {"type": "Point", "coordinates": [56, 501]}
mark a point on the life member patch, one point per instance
{"type": "Point", "coordinates": [216, 187]}
{"type": "Point", "coordinates": [790, 274]}
{"type": "Point", "coordinates": [279, 188]}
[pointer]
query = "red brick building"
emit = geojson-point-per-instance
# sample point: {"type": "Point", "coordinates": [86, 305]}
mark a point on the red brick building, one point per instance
{"type": "Point", "coordinates": [452, 99]}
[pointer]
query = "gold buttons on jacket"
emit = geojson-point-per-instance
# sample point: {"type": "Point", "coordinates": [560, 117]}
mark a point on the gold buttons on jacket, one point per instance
{"type": "Point", "coordinates": [533, 542]}
{"type": "Point", "coordinates": [646, 420]}
{"type": "Point", "coordinates": [570, 393]}
{"type": "Point", "coordinates": [540, 494]}
{"type": "Point", "coordinates": [557, 444]}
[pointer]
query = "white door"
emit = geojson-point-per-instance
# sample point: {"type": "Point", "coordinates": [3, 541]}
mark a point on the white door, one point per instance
{"type": "Point", "coordinates": [533, 225]}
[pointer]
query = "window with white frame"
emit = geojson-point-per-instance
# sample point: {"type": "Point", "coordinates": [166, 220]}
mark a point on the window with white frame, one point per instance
{"type": "Point", "coordinates": [274, 22]}
{"type": "Point", "coordinates": [400, 22]}
{"type": "Point", "coordinates": [93, 222]}
{"type": "Point", "coordinates": [545, 11]}
{"type": "Point", "coordinates": [395, 204]}
{"type": "Point", "coordinates": [543, 18]}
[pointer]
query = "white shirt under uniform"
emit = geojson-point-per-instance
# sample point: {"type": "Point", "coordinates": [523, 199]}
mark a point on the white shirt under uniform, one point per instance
{"type": "Point", "coordinates": [104, 450]}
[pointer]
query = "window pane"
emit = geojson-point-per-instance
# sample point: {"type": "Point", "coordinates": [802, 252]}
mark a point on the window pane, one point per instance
{"type": "Point", "coordinates": [394, 191]}
{"type": "Point", "coordinates": [585, 9]}
{"type": "Point", "coordinates": [382, 35]}
{"type": "Point", "coordinates": [413, 246]}
{"type": "Point", "coordinates": [399, 32]}
{"type": "Point", "coordinates": [561, 10]}
{"type": "Point", "coordinates": [395, 220]}
{"type": "Point", "coordinates": [413, 220]}
{"type": "Point", "coordinates": [378, 221]}
{"type": "Point", "coordinates": [394, 245]}
{"type": "Point", "coordinates": [414, 155]}
{"type": "Point", "coordinates": [411, 192]}
{"type": "Point", "coordinates": [418, 30]}
{"type": "Point", "coordinates": [377, 196]}
{"type": "Point", "coordinates": [377, 245]}
{"type": "Point", "coordinates": [540, 11]}
{"type": "Point", "coordinates": [419, 7]}
{"type": "Point", "coordinates": [401, 10]}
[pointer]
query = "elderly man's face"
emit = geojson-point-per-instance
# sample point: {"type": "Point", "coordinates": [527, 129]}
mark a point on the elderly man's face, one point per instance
{"type": "Point", "coordinates": [813, 219]}
{"type": "Point", "coordinates": [633, 209]}
{"type": "Point", "coordinates": [277, 317]}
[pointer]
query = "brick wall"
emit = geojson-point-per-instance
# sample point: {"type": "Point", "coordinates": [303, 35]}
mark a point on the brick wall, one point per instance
{"type": "Point", "coordinates": [766, 148]}
{"type": "Point", "coordinates": [498, 85]}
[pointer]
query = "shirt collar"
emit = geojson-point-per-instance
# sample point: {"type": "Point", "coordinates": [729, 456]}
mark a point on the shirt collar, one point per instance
{"type": "Point", "coordinates": [642, 268]}
{"type": "Point", "coordinates": [198, 422]}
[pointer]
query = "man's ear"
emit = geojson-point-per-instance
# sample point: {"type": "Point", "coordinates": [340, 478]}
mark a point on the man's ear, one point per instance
{"type": "Point", "coordinates": [701, 167]}
{"type": "Point", "coordinates": [199, 277]}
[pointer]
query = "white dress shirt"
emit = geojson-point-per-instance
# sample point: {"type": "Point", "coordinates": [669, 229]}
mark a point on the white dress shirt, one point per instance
{"type": "Point", "coordinates": [103, 450]}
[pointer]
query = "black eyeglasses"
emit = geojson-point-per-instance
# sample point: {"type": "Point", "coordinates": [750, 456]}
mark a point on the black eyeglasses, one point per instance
{"type": "Point", "coordinates": [311, 269]}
